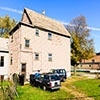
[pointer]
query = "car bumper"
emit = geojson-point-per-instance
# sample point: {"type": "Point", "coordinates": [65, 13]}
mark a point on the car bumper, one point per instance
{"type": "Point", "coordinates": [57, 87]}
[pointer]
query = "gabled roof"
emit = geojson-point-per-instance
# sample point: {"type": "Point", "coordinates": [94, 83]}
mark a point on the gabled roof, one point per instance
{"type": "Point", "coordinates": [95, 58]}
{"type": "Point", "coordinates": [42, 21]}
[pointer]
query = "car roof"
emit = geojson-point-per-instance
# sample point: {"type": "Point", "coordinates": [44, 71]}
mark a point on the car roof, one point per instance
{"type": "Point", "coordinates": [48, 74]}
{"type": "Point", "coordinates": [57, 69]}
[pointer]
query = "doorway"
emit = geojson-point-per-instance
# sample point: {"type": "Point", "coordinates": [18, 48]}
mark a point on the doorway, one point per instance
{"type": "Point", "coordinates": [23, 69]}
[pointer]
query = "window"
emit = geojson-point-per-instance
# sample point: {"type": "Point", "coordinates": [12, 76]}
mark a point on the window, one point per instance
{"type": "Point", "coordinates": [49, 57]}
{"type": "Point", "coordinates": [89, 65]}
{"type": "Point", "coordinates": [37, 32]}
{"type": "Point", "coordinates": [11, 38]}
{"type": "Point", "coordinates": [36, 56]}
{"type": "Point", "coordinates": [49, 36]}
{"type": "Point", "coordinates": [11, 61]}
{"type": "Point", "coordinates": [23, 68]}
{"type": "Point", "coordinates": [46, 77]}
{"type": "Point", "coordinates": [27, 43]}
{"type": "Point", "coordinates": [54, 77]}
{"type": "Point", "coordinates": [93, 60]}
{"type": "Point", "coordinates": [2, 61]}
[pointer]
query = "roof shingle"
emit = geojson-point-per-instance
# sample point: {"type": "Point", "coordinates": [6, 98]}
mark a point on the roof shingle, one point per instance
{"type": "Point", "coordinates": [46, 22]}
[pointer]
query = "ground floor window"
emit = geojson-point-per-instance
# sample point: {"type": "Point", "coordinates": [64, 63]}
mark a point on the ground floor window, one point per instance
{"type": "Point", "coordinates": [89, 65]}
{"type": "Point", "coordinates": [1, 61]}
{"type": "Point", "coordinates": [36, 56]}
{"type": "Point", "coordinates": [11, 61]}
{"type": "Point", "coordinates": [81, 65]}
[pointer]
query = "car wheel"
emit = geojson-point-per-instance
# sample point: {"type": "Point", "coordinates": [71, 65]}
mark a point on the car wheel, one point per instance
{"type": "Point", "coordinates": [63, 79]}
{"type": "Point", "coordinates": [44, 88]}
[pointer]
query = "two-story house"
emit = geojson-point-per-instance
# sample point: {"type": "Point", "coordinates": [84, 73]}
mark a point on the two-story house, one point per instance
{"type": "Point", "coordinates": [4, 56]}
{"type": "Point", "coordinates": [38, 44]}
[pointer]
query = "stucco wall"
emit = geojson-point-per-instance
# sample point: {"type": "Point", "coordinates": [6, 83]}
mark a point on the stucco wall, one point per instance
{"type": "Point", "coordinates": [14, 52]}
{"type": "Point", "coordinates": [59, 46]}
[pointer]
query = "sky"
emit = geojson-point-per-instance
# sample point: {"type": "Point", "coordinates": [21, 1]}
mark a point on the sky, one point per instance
{"type": "Point", "coordinates": [61, 10]}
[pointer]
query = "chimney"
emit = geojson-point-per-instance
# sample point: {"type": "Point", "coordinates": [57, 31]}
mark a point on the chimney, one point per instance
{"type": "Point", "coordinates": [43, 12]}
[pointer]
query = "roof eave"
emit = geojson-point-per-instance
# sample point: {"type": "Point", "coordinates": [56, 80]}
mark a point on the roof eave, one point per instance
{"type": "Point", "coordinates": [33, 26]}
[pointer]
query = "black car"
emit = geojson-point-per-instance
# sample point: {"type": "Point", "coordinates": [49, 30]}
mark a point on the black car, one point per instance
{"type": "Point", "coordinates": [46, 81]}
{"type": "Point", "coordinates": [61, 73]}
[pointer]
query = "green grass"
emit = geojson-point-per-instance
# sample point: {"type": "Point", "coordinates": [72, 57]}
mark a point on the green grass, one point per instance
{"type": "Point", "coordinates": [5, 83]}
{"type": "Point", "coordinates": [28, 92]}
{"type": "Point", "coordinates": [89, 87]}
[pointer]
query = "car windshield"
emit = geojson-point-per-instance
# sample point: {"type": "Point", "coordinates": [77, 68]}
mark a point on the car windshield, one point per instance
{"type": "Point", "coordinates": [54, 77]}
{"type": "Point", "coordinates": [61, 71]}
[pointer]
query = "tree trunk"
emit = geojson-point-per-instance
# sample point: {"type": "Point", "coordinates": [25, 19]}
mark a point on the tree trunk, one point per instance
{"type": "Point", "coordinates": [75, 69]}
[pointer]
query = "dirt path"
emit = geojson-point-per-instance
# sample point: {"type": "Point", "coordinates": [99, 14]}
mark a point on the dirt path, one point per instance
{"type": "Point", "coordinates": [78, 95]}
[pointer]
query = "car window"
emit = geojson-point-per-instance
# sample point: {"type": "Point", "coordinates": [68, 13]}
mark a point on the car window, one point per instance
{"type": "Point", "coordinates": [56, 71]}
{"type": "Point", "coordinates": [54, 77]}
{"type": "Point", "coordinates": [62, 71]}
{"type": "Point", "coordinates": [46, 77]}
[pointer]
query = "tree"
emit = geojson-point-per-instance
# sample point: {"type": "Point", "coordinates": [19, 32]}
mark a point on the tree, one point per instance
{"type": "Point", "coordinates": [6, 24]}
{"type": "Point", "coordinates": [82, 46]}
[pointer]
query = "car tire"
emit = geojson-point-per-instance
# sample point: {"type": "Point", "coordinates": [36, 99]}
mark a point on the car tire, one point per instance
{"type": "Point", "coordinates": [44, 88]}
{"type": "Point", "coordinates": [64, 79]}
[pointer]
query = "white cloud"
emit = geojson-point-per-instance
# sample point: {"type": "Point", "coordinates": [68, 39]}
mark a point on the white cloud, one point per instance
{"type": "Point", "coordinates": [12, 10]}
{"type": "Point", "coordinates": [91, 28]}
{"type": "Point", "coordinates": [94, 29]}
{"type": "Point", "coordinates": [65, 23]}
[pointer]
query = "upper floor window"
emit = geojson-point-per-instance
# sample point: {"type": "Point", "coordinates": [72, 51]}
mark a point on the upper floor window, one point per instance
{"type": "Point", "coordinates": [27, 43]}
{"type": "Point", "coordinates": [12, 38]}
{"type": "Point", "coordinates": [37, 32]}
{"type": "Point", "coordinates": [49, 36]}
{"type": "Point", "coordinates": [49, 57]}
{"type": "Point", "coordinates": [2, 61]}
{"type": "Point", "coordinates": [36, 56]}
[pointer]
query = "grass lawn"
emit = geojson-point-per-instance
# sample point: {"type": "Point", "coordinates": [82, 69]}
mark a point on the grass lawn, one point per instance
{"type": "Point", "coordinates": [28, 92]}
{"type": "Point", "coordinates": [89, 87]}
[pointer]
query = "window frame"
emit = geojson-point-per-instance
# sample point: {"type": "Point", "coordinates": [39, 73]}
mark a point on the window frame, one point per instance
{"type": "Point", "coordinates": [27, 45]}
{"type": "Point", "coordinates": [37, 31]}
{"type": "Point", "coordinates": [1, 61]}
{"type": "Point", "coordinates": [11, 60]}
{"type": "Point", "coordinates": [12, 38]}
{"type": "Point", "coordinates": [49, 36]}
{"type": "Point", "coordinates": [36, 57]}
{"type": "Point", "coordinates": [49, 56]}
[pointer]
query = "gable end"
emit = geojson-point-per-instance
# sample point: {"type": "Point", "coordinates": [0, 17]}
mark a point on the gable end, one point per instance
{"type": "Point", "coordinates": [26, 18]}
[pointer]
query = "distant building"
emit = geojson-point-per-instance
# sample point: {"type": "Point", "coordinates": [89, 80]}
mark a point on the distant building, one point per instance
{"type": "Point", "coordinates": [38, 44]}
{"type": "Point", "coordinates": [93, 63]}
{"type": "Point", "coordinates": [4, 56]}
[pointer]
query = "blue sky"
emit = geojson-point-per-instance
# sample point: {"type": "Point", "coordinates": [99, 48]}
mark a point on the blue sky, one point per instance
{"type": "Point", "coordinates": [61, 10]}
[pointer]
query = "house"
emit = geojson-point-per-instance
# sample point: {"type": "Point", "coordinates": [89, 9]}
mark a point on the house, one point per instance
{"type": "Point", "coordinates": [4, 56]}
{"type": "Point", "coordinates": [93, 63]}
{"type": "Point", "coordinates": [38, 44]}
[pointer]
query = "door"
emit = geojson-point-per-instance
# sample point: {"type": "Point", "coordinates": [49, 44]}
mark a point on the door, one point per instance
{"type": "Point", "coordinates": [23, 69]}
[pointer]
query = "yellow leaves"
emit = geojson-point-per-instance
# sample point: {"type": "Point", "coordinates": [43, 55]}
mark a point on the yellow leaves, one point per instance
{"type": "Point", "coordinates": [6, 24]}
{"type": "Point", "coordinates": [81, 45]}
